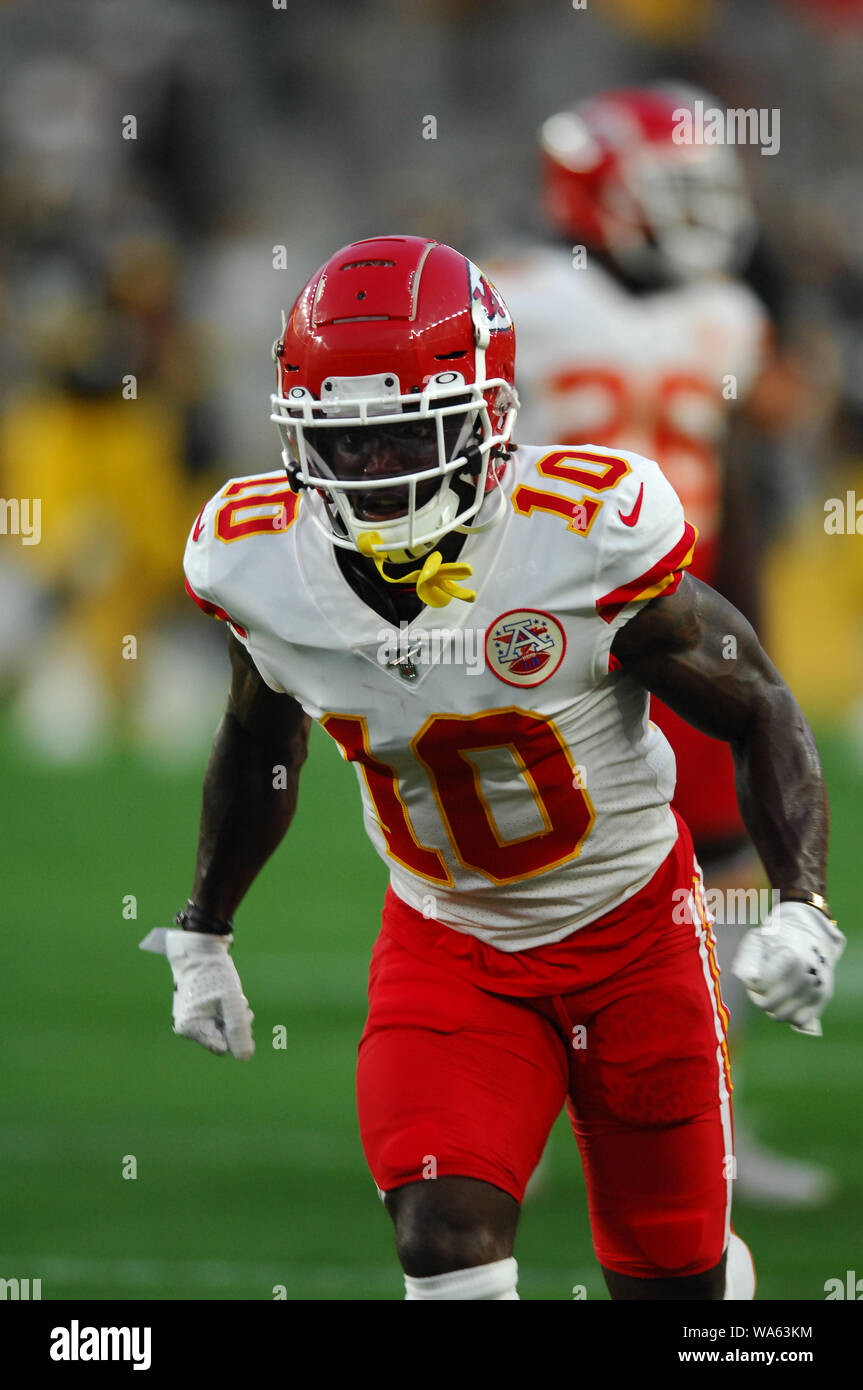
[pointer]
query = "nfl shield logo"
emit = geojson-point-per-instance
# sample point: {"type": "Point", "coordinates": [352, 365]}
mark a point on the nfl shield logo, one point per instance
{"type": "Point", "coordinates": [524, 646]}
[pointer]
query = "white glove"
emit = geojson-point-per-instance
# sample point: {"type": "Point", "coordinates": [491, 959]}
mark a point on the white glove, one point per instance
{"type": "Point", "coordinates": [209, 1004]}
{"type": "Point", "coordinates": [787, 965]}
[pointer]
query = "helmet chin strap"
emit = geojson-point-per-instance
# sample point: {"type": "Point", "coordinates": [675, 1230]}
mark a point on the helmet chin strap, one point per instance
{"type": "Point", "coordinates": [467, 529]}
{"type": "Point", "coordinates": [435, 582]}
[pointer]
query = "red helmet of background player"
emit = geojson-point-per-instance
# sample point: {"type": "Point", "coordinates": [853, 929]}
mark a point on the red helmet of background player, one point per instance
{"type": "Point", "coordinates": [620, 176]}
{"type": "Point", "coordinates": [397, 332]}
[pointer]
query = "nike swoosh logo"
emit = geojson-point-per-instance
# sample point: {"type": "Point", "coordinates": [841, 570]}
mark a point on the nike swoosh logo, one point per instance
{"type": "Point", "coordinates": [198, 527]}
{"type": "Point", "coordinates": [633, 516]}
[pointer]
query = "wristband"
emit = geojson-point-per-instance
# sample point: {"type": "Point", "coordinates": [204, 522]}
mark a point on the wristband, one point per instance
{"type": "Point", "coordinates": [193, 918]}
{"type": "Point", "coordinates": [796, 895]}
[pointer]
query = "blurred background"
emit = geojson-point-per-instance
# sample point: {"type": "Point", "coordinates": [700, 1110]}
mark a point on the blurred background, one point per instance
{"type": "Point", "coordinates": [145, 262]}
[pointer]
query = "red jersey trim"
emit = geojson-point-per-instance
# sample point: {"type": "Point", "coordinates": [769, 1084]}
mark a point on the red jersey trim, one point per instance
{"type": "Point", "coordinates": [214, 611]}
{"type": "Point", "coordinates": [663, 577]}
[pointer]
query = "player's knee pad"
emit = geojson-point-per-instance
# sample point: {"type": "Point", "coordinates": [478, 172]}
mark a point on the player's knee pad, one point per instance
{"type": "Point", "coordinates": [491, 1282]}
{"type": "Point", "coordinates": [739, 1271]}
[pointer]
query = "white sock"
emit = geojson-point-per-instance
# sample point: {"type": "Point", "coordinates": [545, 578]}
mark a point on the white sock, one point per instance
{"type": "Point", "coordinates": [495, 1281]}
{"type": "Point", "coordinates": [739, 1271]}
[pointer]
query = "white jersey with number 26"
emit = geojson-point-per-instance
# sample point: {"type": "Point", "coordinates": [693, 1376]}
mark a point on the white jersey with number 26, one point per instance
{"type": "Point", "coordinates": [510, 776]}
{"type": "Point", "coordinates": [659, 372]}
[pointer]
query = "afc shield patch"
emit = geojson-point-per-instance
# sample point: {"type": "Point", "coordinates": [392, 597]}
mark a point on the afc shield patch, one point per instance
{"type": "Point", "coordinates": [524, 646]}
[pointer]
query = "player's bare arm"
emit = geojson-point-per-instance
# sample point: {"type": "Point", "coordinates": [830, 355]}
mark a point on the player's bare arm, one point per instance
{"type": "Point", "coordinates": [699, 655]}
{"type": "Point", "coordinates": [250, 786]}
{"type": "Point", "coordinates": [250, 795]}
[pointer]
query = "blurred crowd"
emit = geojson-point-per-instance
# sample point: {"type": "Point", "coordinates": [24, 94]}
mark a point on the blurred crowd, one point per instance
{"type": "Point", "coordinates": [173, 172]}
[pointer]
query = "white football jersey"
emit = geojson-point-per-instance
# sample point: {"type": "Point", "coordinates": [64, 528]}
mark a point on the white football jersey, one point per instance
{"type": "Point", "coordinates": [510, 779]}
{"type": "Point", "coordinates": [657, 372]}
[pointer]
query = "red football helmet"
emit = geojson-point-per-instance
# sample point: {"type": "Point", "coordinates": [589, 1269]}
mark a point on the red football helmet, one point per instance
{"type": "Point", "coordinates": [394, 393]}
{"type": "Point", "coordinates": [618, 177]}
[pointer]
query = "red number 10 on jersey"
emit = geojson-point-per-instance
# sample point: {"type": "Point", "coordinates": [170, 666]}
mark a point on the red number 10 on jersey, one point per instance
{"type": "Point", "coordinates": [580, 515]}
{"type": "Point", "coordinates": [443, 747]}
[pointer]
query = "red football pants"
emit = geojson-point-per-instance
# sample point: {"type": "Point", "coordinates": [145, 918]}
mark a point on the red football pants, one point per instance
{"type": "Point", "coordinates": [469, 1054]}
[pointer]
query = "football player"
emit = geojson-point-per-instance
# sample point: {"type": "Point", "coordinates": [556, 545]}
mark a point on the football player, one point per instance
{"type": "Point", "coordinates": [544, 937]}
{"type": "Point", "coordinates": [636, 332]}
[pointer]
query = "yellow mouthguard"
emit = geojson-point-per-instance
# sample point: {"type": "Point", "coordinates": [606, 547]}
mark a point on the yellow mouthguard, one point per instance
{"type": "Point", "coordinates": [435, 582]}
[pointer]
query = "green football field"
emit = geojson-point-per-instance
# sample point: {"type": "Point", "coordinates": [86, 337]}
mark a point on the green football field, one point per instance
{"type": "Point", "coordinates": [252, 1176]}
